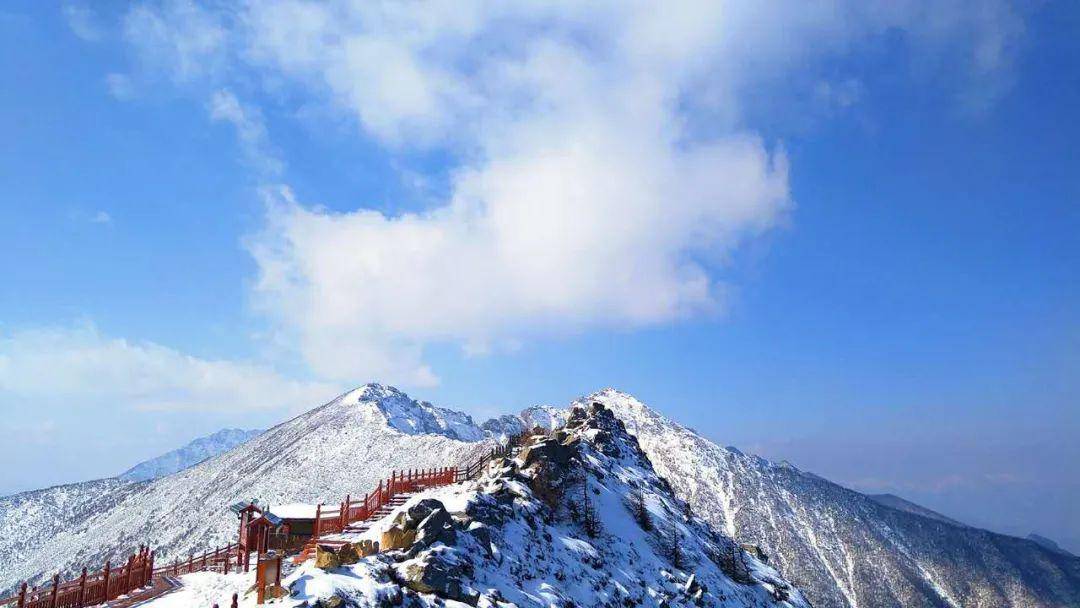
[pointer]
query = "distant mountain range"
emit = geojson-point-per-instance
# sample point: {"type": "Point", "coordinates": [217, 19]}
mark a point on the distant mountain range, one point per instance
{"type": "Point", "coordinates": [843, 549]}
{"type": "Point", "coordinates": [189, 455]}
{"type": "Point", "coordinates": [900, 504]}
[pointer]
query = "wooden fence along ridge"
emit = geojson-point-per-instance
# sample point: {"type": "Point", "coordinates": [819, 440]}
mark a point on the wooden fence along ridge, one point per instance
{"type": "Point", "coordinates": [139, 571]}
{"type": "Point", "coordinates": [349, 511]}
{"type": "Point", "coordinates": [90, 588]}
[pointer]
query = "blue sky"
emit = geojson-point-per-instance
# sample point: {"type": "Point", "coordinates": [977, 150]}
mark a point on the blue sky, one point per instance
{"type": "Point", "coordinates": [846, 237]}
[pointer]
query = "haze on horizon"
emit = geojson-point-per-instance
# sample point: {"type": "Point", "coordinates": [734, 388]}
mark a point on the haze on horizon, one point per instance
{"type": "Point", "coordinates": [844, 234]}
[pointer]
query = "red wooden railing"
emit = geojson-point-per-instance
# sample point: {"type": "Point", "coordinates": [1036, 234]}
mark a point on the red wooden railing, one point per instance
{"type": "Point", "coordinates": [111, 582]}
{"type": "Point", "coordinates": [90, 588]}
{"type": "Point", "coordinates": [221, 559]}
{"type": "Point", "coordinates": [336, 519]}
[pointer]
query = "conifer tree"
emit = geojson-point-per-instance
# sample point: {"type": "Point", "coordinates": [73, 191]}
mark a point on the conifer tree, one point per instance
{"type": "Point", "coordinates": [639, 510]}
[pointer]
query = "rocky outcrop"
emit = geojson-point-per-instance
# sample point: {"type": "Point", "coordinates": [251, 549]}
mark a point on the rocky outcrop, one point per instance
{"type": "Point", "coordinates": [328, 556]}
{"type": "Point", "coordinates": [442, 575]}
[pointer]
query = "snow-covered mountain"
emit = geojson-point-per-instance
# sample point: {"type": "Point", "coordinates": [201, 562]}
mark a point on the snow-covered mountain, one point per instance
{"type": "Point", "coordinates": [578, 518]}
{"type": "Point", "coordinates": [342, 447]}
{"type": "Point", "coordinates": [842, 548]}
{"type": "Point", "coordinates": [196, 451]}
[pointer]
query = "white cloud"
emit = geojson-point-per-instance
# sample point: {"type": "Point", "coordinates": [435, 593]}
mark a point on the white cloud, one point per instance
{"type": "Point", "coordinates": [80, 365]}
{"type": "Point", "coordinates": [120, 86]}
{"type": "Point", "coordinates": [101, 217]}
{"type": "Point", "coordinates": [250, 130]}
{"type": "Point", "coordinates": [82, 21]}
{"type": "Point", "coordinates": [604, 167]}
{"type": "Point", "coordinates": [178, 38]}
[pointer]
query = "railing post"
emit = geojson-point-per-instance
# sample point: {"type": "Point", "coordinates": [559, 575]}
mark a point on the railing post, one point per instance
{"type": "Point", "coordinates": [234, 600]}
{"type": "Point", "coordinates": [150, 569]}
{"type": "Point", "coordinates": [190, 563]}
{"type": "Point", "coordinates": [55, 590]}
{"type": "Point", "coordinates": [82, 589]}
{"type": "Point", "coordinates": [176, 566]}
{"type": "Point", "coordinates": [127, 575]}
{"type": "Point", "coordinates": [107, 574]}
{"type": "Point", "coordinates": [318, 516]}
{"type": "Point", "coordinates": [22, 595]}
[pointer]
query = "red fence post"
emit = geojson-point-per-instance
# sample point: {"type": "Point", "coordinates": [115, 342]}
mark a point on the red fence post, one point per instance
{"type": "Point", "coordinates": [318, 516]}
{"type": "Point", "coordinates": [81, 600]}
{"type": "Point", "coordinates": [106, 571]}
{"type": "Point", "coordinates": [234, 600]}
{"type": "Point", "coordinates": [150, 569]}
{"type": "Point", "coordinates": [55, 590]}
{"type": "Point", "coordinates": [127, 575]}
{"type": "Point", "coordinates": [22, 595]}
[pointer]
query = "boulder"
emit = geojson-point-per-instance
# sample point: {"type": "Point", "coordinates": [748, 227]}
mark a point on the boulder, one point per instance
{"type": "Point", "coordinates": [438, 526]}
{"type": "Point", "coordinates": [348, 554]}
{"type": "Point", "coordinates": [330, 556]}
{"type": "Point", "coordinates": [397, 537]}
{"type": "Point", "coordinates": [482, 534]}
{"type": "Point", "coordinates": [547, 450]}
{"type": "Point", "coordinates": [367, 547]}
{"type": "Point", "coordinates": [420, 511]}
{"type": "Point", "coordinates": [326, 557]}
{"type": "Point", "coordinates": [441, 577]}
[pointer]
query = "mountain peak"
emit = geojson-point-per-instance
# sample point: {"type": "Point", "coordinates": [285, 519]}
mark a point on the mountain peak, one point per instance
{"type": "Point", "coordinates": [371, 392]}
{"type": "Point", "coordinates": [408, 415]}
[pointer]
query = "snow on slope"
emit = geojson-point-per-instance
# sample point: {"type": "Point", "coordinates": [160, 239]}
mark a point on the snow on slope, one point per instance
{"type": "Point", "coordinates": [189, 455]}
{"type": "Point", "coordinates": [342, 447]}
{"type": "Point", "coordinates": [28, 520]}
{"type": "Point", "coordinates": [517, 537]}
{"type": "Point", "coordinates": [840, 547]}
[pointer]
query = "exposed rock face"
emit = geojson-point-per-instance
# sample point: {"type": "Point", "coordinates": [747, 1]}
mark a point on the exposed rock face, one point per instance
{"type": "Point", "coordinates": [442, 575]}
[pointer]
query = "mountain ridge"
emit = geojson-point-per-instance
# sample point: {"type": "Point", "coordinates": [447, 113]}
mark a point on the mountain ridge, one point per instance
{"type": "Point", "coordinates": [843, 548]}
{"type": "Point", "coordinates": [188, 455]}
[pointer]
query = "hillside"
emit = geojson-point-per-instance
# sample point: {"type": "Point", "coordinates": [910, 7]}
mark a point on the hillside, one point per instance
{"type": "Point", "coordinates": [344, 446]}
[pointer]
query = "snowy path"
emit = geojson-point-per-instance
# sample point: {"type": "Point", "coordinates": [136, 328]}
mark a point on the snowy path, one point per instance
{"type": "Point", "coordinates": [204, 589]}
